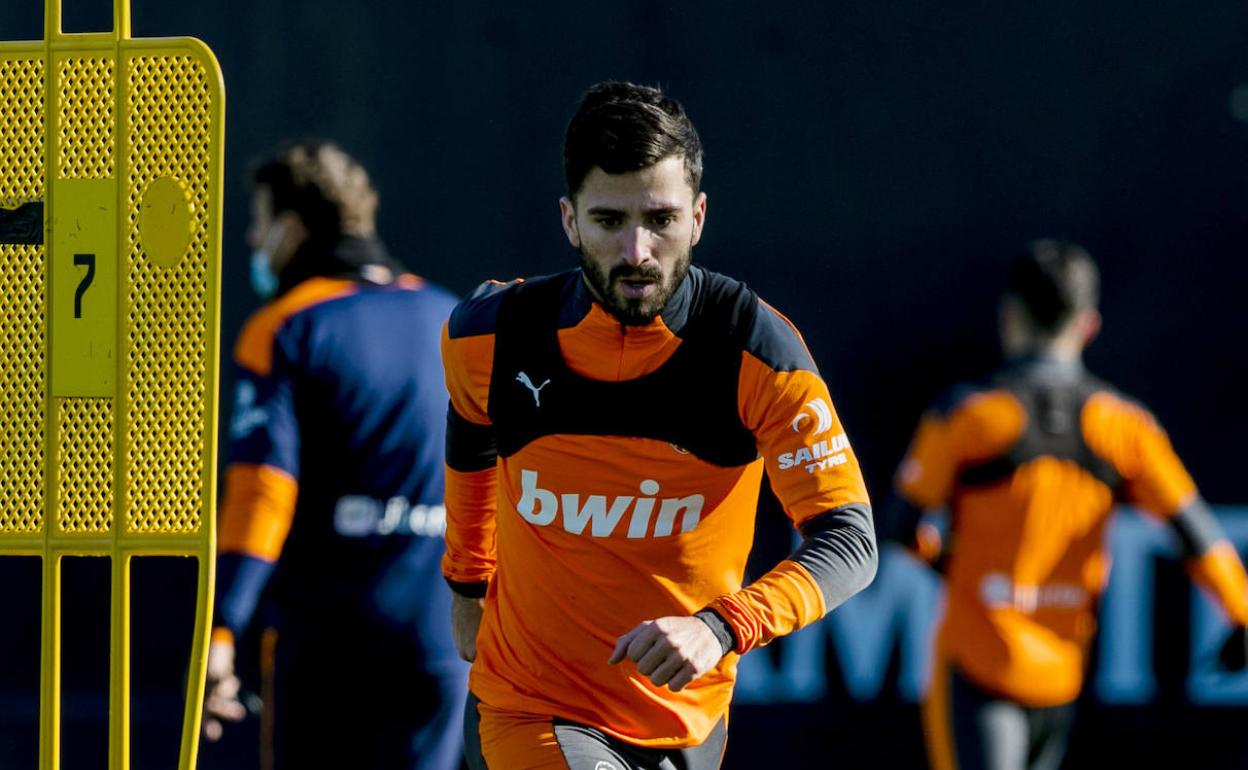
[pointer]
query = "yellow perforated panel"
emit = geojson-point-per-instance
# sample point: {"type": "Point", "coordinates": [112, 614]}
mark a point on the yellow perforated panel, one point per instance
{"type": "Point", "coordinates": [21, 389]}
{"type": "Point", "coordinates": [86, 118]}
{"type": "Point", "coordinates": [84, 455]}
{"type": "Point", "coordinates": [107, 435]}
{"type": "Point", "coordinates": [21, 303]}
{"type": "Point", "coordinates": [168, 122]}
{"type": "Point", "coordinates": [21, 131]}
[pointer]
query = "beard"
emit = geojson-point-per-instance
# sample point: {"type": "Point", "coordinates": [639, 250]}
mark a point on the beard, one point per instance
{"type": "Point", "coordinates": [634, 311]}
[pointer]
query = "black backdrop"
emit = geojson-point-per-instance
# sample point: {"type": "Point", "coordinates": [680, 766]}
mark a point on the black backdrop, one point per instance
{"type": "Point", "coordinates": [868, 167]}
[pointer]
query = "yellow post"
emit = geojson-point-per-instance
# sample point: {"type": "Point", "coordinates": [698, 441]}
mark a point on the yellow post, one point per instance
{"type": "Point", "coordinates": [111, 163]}
{"type": "Point", "coordinates": [50, 678]}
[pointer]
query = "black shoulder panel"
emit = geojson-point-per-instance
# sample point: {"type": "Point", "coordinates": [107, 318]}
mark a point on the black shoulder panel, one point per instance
{"type": "Point", "coordinates": [725, 305]}
{"type": "Point", "coordinates": [776, 343]}
{"type": "Point", "coordinates": [952, 398]}
{"type": "Point", "coordinates": [477, 313]}
{"type": "Point", "coordinates": [1054, 428]}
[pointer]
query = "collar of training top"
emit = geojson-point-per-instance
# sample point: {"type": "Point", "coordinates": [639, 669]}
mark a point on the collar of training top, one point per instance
{"type": "Point", "coordinates": [348, 257]}
{"type": "Point", "coordinates": [1041, 366]}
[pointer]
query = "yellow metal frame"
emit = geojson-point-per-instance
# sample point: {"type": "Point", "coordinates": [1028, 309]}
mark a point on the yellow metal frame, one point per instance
{"type": "Point", "coordinates": [127, 443]}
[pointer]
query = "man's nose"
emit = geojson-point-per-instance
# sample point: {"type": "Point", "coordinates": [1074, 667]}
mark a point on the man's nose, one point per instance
{"type": "Point", "coordinates": [637, 246]}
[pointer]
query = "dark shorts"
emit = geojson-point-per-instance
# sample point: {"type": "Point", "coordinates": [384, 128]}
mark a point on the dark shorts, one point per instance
{"type": "Point", "coordinates": [969, 729]}
{"type": "Point", "coordinates": [498, 740]}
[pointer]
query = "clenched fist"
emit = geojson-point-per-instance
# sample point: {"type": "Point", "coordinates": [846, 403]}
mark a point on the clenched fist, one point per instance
{"type": "Point", "coordinates": [672, 651]}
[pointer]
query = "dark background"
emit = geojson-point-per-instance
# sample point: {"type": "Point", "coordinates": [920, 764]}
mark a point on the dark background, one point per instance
{"type": "Point", "coordinates": [870, 167]}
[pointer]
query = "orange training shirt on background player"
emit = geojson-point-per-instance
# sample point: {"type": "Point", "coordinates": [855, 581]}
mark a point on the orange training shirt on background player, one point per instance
{"type": "Point", "coordinates": [1028, 557]}
{"type": "Point", "coordinates": [583, 536]}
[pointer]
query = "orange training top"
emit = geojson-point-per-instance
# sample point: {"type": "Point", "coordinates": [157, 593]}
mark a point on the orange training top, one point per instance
{"type": "Point", "coordinates": [1028, 555]}
{"type": "Point", "coordinates": [591, 518]}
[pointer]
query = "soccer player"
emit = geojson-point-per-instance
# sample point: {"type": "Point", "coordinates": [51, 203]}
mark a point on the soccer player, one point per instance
{"type": "Point", "coordinates": [1030, 463]}
{"type": "Point", "coordinates": [334, 488]}
{"type": "Point", "coordinates": [608, 431]}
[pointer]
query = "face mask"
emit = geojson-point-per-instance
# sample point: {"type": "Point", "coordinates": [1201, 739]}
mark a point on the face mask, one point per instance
{"type": "Point", "coordinates": [263, 279]}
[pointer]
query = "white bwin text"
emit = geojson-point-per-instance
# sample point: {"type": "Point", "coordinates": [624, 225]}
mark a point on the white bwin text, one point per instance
{"type": "Point", "coordinates": [541, 507]}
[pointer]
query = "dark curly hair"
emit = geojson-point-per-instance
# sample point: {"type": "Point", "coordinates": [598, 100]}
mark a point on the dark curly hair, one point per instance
{"type": "Point", "coordinates": [1054, 279]}
{"type": "Point", "coordinates": [329, 190]}
{"type": "Point", "coordinates": [622, 127]}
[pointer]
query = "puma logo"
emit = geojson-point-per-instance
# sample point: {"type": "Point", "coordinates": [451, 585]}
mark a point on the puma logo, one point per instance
{"type": "Point", "coordinates": [524, 380]}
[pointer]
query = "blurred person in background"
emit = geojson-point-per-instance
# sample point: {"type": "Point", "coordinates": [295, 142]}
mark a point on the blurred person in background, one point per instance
{"type": "Point", "coordinates": [608, 431]}
{"type": "Point", "coordinates": [334, 484]}
{"type": "Point", "coordinates": [1030, 463]}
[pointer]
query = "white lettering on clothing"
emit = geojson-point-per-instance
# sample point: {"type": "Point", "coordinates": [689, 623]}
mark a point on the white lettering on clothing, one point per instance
{"type": "Point", "coordinates": [362, 516]}
{"type": "Point", "coordinates": [541, 507]}
{"type": "Point", "coordinates": [819, 456]}
{"type": "Point", "coordinates": [248, 415]}
{"type": "Point", "coordinates": [997, 592]}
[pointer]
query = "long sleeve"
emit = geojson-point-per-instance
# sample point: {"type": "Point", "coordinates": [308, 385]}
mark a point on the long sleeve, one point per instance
{"type": "Point", "coordinates": [1154, 478]}
{"type": "Point", "coordinates": [471, 457]}
{"type": "Point", "coordinates": [261, 484]}
{"type": "Point", "coordinates": [471, 505]}
{"type": "Point", "coordinates": [815, 475]}
{"type": "Point", "coordinates": [923, 482]}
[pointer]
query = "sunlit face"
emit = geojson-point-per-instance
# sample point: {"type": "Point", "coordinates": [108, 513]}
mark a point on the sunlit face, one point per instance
{"type": "Point", "coordinates": [636, 233]}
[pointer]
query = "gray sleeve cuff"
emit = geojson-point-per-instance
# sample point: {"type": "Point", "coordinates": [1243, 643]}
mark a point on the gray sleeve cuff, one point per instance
{"type": "Point", "coordinates": [719, 627]}
{"type": "Point", "coordinates": [468, 590]}
{"type": "Point", "coordinates": [1196, 529]}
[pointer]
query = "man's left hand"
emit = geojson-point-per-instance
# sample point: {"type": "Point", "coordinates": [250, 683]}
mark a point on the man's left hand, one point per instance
{"type": "Point", "coordinates": [221, 702]}
{"type": "Point", "coordinates": [672, 651]}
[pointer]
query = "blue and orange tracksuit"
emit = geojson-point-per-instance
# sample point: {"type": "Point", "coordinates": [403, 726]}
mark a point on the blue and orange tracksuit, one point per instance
{"type": "Point", "coordinates": [1030, 464]}
{"type": "Point", "coordinates": [600, 475]}
{"type": "Point", "coordinates": [333, 505]}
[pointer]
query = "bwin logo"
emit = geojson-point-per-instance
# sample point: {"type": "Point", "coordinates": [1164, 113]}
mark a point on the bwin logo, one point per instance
{"type": "Point", "coordinates": [541, 507]}
{"type": "Point", "coordinates": [524, 380]}
{"type": "Point", "coordinates": [822, 413]}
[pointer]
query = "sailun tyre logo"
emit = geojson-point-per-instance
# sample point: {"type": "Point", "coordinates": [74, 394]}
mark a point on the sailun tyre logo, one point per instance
{"type": "Point", "coordinates": [817, 410]}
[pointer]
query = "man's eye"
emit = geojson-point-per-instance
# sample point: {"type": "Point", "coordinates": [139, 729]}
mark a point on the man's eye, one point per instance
{"type": "Point", "coordinates": [609, 223]}
{"type": "Point", "coordinates": [663, 220]}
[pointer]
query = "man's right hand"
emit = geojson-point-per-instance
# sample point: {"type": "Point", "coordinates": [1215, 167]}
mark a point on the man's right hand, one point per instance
{"type": "Point", "coordinates": [221, 703]}
{"type": "Point", "coordinates": [465, 622]}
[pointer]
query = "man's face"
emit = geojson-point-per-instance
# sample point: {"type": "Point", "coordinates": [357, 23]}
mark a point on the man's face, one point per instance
{"type": "Point", "coordinates": [636, 233]}
{"type": "Point", "coordinates": [278, 236]}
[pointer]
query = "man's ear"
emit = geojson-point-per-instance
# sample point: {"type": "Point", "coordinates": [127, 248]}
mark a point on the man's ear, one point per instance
{"type": "Point", "coordinates": [1089, 325]}
{"type": "Point", "coordinates": [567, 211]}
{"type": "Point", "coordinates": [293, 234]}
{"type": "Point", "coordinates": [295, 231]}
{"type": "Point", "coordinates": [699, 218]}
